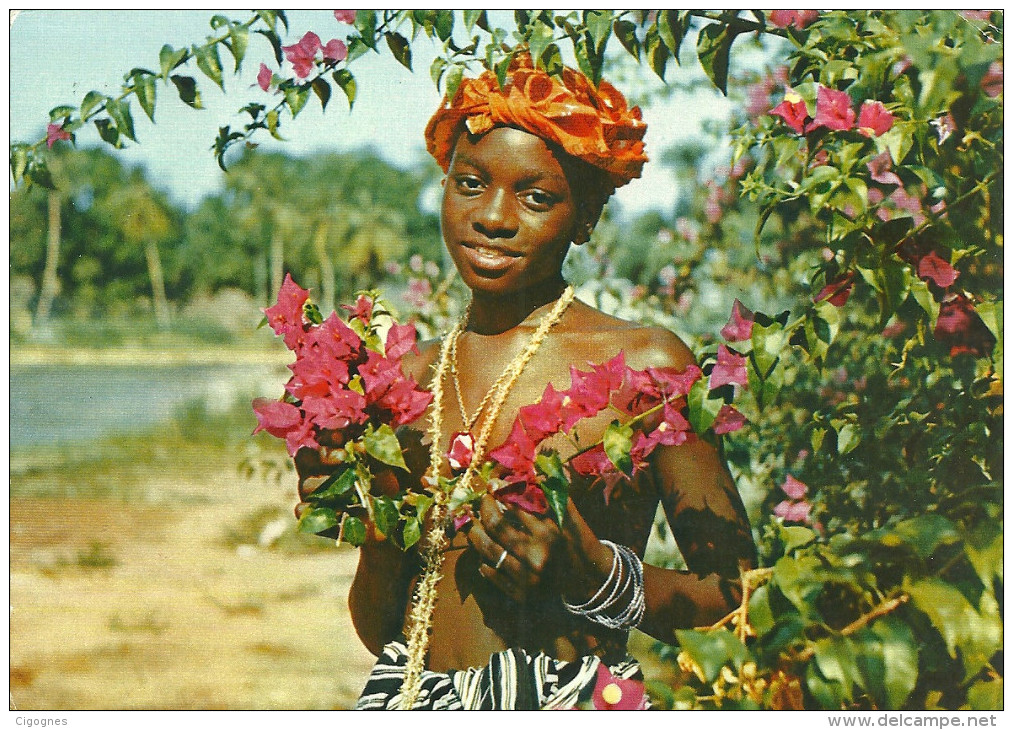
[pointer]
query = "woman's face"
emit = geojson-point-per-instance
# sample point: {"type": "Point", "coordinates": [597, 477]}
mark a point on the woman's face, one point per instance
{"type": "Point", "coordinates": [508, 212]}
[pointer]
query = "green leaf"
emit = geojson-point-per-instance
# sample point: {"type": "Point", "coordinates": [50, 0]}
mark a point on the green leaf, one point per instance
{"type": "Point", "coordinates": [713, 47]}
{"type": "Point", "coordinates": [343, 78]}
{"type": "Point", "coordinates": [599, 25]}
{"type": "Point", "coordinates": [317, 519]}
{"type": "Point", "coordinates": [39, 174]}
{"type": "Point", "coordinates": [91, 100]}
{"type": "Point", "coordinates": [108, 132]}
{"type": "Point", "coordinates": [120, 113]}
{"type": "Point", "coordinates": [144, 89]}
{"type": "Point", "coordinates": [848, 437]}
{"type": "Point", "coordinates": [454, 76]}
{"type": "Point", "coordinates": [353, 531]}
{"type": "Point", "coordinates": [239, 40]}
{"type": "Point", "coordinates": [436, 70]}
{"type": "Point", "coordinates": [275, 41]}
{"type": "Point", "coordinates": [444, 24]}
{"type": "Point", "coordinates": [273, 122]}
{"type": "Point", "coordinates": [541, 37]}
{"type": "Point", "coordinates": [924, 533]}
{"type": "Point", "coordinates": [401, 48]}
{"type": "Point", "coordinates": [296, 98]}
{"type": "Point", "coordinates": [837, 658]}
{"type": "Point", "coordinates": [976, 634]}
{"type": "Point", "coordinates": [19, 162]}
{"type": "Point", "coordinates": [768, 344]}
{"type": "Point", "coordinates": [60, 112]}
{"type": "Point", "coordinates": [473, 16]}
{"type": "Point", "coordinates": [712, 650]}
{"type": "Point", "coordinates": [365, 23]}
{"type": "Point", "coordinates": [385, 515]}
{"type": "Point", "coordinates": [618, 442]}
{"type": "Point", "coordinates": [626, 32]}
{"type": "Point", "coordinates": [555, 485]}
{"type": "Point", "coordinates": [210, 63]}
{"type": "Point", "coordinates": [796, 536]}
{"type": "Point", "coordinates": [169, 59]}
{"type": "Point", "coordinates": [657, 54]}
{"type": "Point", "coordinates": [672, 31]}
{"type": "Point", "coordinates": [323, 91]}
{"type": "Point", "coordinates": [382, 445]}
{"type": "Point", "coordinates": [412, 532]}
{"type": "Point", "coordinates": [187, 89]}
{"type": "Point", "coordinates": [337, 485]}
{"type": "Point", "coordinates": [900, 660]}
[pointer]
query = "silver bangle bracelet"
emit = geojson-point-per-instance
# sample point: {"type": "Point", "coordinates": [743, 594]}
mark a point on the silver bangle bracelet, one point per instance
{"type": "Point", "coordinates": [625, 564]}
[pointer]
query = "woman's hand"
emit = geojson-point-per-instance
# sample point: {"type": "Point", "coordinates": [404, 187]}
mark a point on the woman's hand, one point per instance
{"type": "Point", "coordinates": [519, 550]}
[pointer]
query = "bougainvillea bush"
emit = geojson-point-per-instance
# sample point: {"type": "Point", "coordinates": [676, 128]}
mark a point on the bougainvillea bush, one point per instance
{"type": "Point", "coordinates": [857, 220]}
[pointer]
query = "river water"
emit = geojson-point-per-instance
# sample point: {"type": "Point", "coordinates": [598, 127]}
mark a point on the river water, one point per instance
{"type": "Point", "coordinates": [65, 404]}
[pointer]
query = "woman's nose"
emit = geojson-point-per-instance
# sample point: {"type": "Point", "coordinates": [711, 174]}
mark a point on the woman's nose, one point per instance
{"type": "Point", "coordinates": [495, 217]}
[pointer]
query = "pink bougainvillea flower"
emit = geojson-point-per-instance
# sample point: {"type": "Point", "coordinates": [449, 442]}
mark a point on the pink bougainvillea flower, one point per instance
{"type": "Point", "coordinates": [363, 308]}
{"type": "Point", "coordinates": [336, 339]}
{"type": "Point", "coordinates": [837, 291]}
{"type": "Point", "coordinates": [728, 420]}
{"type": "Point", "coordinates": [302, 54]}
{"type": "Point", "coordinates": [991, 82]}
{"type": "Point", "coordinates": [55, 133]}
{"type": "Point", "coordinates": [405, 401]}
{"type": "Point", "coordinates": [286, 317]}
{"type": "Point", "coordinates": [378, 374]}
{"type": "Point", "coordinates": [673, 430]}
{"type": "Point", "coordinates": [338, 410]}
{"type": "Point", "coordinates": [525, 495]}
{"type": "Point", "coordinates": [874, 119]}
{"type": "Point", "coordinates": [275, 416]}
{"type": "Point", "coordinates": [798, 18]}
{"type": "Point", "coordinates": [544, 418]}
{"type": "Point", "coordinates": [880, 169]}
{"type": "Point", "coordinates": [740, 325]}
{"type": "Point", "coordinates": [672, 383]}
{"type": "Point", "coordinates": [730, 368]}
{"type": "Point", "coordinates": [400, 341]}
{"type": "Point", "coordinates": [303, 436]}
{"type": "Point", "coordinates": [335, 50]}
{"type": "Point", "coordinates": [904, 202]}
{"type": "Point", "coordinates": [517, 453]}
{"type": "Point", "coordinates": [344, 16]}
{"type": "Point", "coordinates": [315, 377]}
{"type": "Point", "coordinates": [793, 511]}
{"type": "Point", "coordinates": [937, 269]}
{"type": "Point", "coordinates": [794, 488]}
{"type": "Point", "coordinates": [960, 327]}
{"type": "Point", "coordinates": [264, 77]}
{"type": "Point", "coordinates": [462, 449]}
{"type": "Point", "coordinates": [615, 693]}
{"type": "Point", "coordinates": [793, 111]}
{"type": "Point", "coordinates": [833, 111]}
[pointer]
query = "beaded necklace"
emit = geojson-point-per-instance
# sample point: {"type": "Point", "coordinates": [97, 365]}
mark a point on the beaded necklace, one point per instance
{"type": "Point", "coordinates": [420, 618]}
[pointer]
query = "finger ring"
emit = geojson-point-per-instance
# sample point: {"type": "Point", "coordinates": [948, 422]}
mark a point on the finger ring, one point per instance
{"type": "Point", "coordinates": [500, 561]}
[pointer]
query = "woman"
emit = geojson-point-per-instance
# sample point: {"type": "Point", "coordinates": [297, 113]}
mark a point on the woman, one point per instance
{"type": "Point", "coordinates": [527, 612]}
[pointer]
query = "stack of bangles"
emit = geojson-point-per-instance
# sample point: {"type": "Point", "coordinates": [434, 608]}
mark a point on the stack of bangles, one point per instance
{"type": "Point", "coordinates": [625, 578]}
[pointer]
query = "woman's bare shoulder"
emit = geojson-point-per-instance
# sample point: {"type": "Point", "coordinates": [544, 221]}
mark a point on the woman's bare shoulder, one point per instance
{"type": "Point", "coordinates": [644, 346]}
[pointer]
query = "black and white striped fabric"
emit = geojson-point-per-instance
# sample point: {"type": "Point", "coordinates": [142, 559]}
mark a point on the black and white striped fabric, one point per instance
{"type": "Point", "coordinates": [513, 680]}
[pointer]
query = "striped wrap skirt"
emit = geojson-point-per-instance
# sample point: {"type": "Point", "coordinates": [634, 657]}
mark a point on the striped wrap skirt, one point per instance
{"type": "Point", "coordinates": [512, 680]}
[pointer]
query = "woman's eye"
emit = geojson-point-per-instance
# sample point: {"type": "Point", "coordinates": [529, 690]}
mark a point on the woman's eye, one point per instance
{"type": "Point", "coordinates": [469, 184]}
{"type": "Point", "coordinates": [538, 199]}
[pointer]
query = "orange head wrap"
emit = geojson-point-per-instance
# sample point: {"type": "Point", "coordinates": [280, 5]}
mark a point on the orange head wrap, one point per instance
{"type": "Point", "coordinates": [593, 125]}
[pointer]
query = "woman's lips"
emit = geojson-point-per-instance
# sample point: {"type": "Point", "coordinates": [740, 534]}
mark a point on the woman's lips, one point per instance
{"type": "Point", "coordinates": [488, 258]}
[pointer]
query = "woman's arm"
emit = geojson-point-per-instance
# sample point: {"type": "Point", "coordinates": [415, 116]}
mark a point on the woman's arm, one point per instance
{"type": "Point", "coordinates": [377, 597]}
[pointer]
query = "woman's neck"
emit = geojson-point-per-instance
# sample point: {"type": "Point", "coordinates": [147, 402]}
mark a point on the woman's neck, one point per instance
{"type": "Point", "coordinates": [493, 314]}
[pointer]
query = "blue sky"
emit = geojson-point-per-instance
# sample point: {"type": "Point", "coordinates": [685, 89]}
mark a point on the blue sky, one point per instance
{"type": "Point", "coordinates": [57, 56]}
